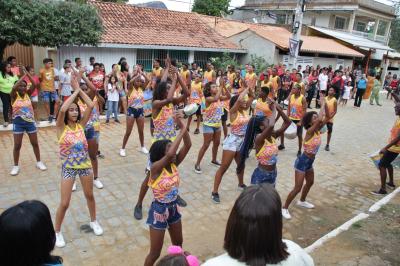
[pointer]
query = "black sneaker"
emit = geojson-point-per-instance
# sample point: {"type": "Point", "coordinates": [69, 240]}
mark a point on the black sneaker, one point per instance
{"type": "Point", "coordinates": [181, 202]}
{"type": "Point", "coordinates": [327, 147]}
{"type": "Point", "coordinates": [137, 212]}
{"type": "Point", "coordinates": [391, 185]}
{"type": "Point", "coordinates": [197, 169]}
{"type": "Point", "coordinates": [117, 121]}
{"type": "Point", "coordinates": [215, 197]}
{"type": "Point", "coordinates": [216, 163]}
{"type": "Point", "coordinates": [281, 147]}
{"type": "Point", "coordinates": [50, 119]}
{"type": "Point", "coordinates": [107, 121]}
{"type": "Point", "coordinates": [197, 131]}
{"type": "Point", "coordinates": [242, 186]}
{"type": "Point", "coordinates": [298, 153]}
{"type": "Point", "coordinates": [100, 155]}
{"type": "Point", "coordinates": [379, 192]}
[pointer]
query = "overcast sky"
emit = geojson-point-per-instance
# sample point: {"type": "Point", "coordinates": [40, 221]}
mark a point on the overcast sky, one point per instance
{"type": "Point", "coordinates": [185, 5]}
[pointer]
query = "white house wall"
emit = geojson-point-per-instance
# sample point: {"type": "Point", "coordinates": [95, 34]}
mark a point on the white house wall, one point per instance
{"type": "Point", "coordinates": [255, 45]}
{"type": "Point", "coordinates": [107, 56]}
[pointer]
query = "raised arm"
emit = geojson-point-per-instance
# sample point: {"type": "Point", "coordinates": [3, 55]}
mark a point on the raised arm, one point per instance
{"type": "Point", "coordinates": [269, 124]}
{"type": "Point", "coordinates": [233, 110]}
{"type": "Point", "coordinates": [159, 104]}
{"type": "Point", "coordinates": [90, 105]}
{"type": "Point", "coordinates": [168, 158]}
{"type": "Point", "coordinates": [13, 93]}
{"type": "Point", "coordinates": [286, 121]}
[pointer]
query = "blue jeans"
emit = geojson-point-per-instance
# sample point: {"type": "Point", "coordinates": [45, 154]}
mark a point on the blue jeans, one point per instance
{"type": "Point", "coordinates": [112, 107]}
{"type": "Point", "coordinates": [260, 176]}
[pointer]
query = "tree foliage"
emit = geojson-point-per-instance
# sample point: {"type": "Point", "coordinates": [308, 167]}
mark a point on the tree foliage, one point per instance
{"type": "Point", "coordinates": [48, 23]}
{"type": "Point", "coordinates": [224, 61]}
{"type": "Point", "coordinates": [394, 40]}
{"type": "Point", "coordinates": [259, 63]}
{"type": "Point", "coordinates": [211, 7]}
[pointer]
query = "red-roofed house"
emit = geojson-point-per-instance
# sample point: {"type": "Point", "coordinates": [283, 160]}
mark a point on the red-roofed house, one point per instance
{"type": "Point", "coordinates": [142, 34]}
{"type": "Point", "coordinates": [272, 43]}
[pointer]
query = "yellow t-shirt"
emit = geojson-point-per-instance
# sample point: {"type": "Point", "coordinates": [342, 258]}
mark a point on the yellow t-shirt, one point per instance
{"type": "Point", "coordinates": [47, 79]}
{"type": "Point", "coordinates": [393, 134]}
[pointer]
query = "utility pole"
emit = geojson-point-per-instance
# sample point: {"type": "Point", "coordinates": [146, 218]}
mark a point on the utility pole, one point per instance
{"type": "Point", "coordinates": [296, 30]}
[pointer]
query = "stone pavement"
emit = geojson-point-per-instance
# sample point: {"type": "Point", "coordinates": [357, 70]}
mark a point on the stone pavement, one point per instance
{"type": "Point", "coordinates": [344, 178]}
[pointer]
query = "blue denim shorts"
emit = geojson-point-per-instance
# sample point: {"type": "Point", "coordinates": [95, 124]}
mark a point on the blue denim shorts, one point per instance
{"type": "Point", "coordinates": [260, 176]}
{"type": "Point", "coordinates": [208, 129]}
{"type": "Point", "coordinates": [122, 93]}
{"type": "Point", "coordinates": [232, 143]}
{"type": "Point", "coordinates": [161, 215]}
{"type": "Point", "coordinates": [48, 96]}
{"type": "Point", "coordinates": [304, 163]}
{"type": "Point", "coordinates": [20, 126]}
{"type": "Point", "coordinates": [90, 133]}
{"type": "Point", "coordinates": [135, 113]}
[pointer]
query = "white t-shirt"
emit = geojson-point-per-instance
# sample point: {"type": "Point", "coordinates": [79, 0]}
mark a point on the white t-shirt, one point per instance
{"type": "Point", "coordinates": [65, 80]}
{"type": "Point", "coordinates": [112, 94]}
{"type": "Point", "coordinates": [297, 257]}
{"type": "Point", "coordinates": [323, 81]}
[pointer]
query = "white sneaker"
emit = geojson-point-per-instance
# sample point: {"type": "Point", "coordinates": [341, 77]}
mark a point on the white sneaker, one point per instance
{"type": "Point", "coordinates": [98, 231]}
{"type": "Point", "coordinates": [40, 165]}
{"type": "Point", "coordinates": [74, 186]}
{"type": "Point", "coordinates": [305, 204]}
{"type": "Point", "coordinates": [60, 242]}
{"type": "Point", "coordinates": [97, 183]}
{"type": "Point", "coordinates": [286, 214]}
{"type": "Point", "coordinates": [14, 170]}
{"type": "Point", "coordinates": [122, 152]}
{"type": "Point", "coordinates": [144, 150]}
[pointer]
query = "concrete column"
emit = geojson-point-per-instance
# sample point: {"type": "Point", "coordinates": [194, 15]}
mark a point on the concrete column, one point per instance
{"type": "Point", "coordinates": [351, 22]}
{"type": "Point", "coordinates": [376, 27]}
{"type": "Point", "coordinates": [191, 57]}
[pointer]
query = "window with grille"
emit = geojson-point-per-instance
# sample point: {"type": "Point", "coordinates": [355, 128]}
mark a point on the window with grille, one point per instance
{"type": "Point", "coordinates": [340, 23]}
{"type": "Point", "coordinates": [382, 28]}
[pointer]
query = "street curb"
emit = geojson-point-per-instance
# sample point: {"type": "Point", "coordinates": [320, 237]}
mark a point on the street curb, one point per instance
{"type": "Point", "coordinates": [344, 227]}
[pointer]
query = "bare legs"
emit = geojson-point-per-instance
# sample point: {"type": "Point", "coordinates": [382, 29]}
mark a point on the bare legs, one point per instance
{"type": "Point", "coordinates": [18, 144]}
{"type": "Point", "coordinates": [215, 138]}
{"type": "Point", "coordinates": [157, 241]}
{"type": "Point", "coordinates": [227, 158]}
{"type": "Point", "coordinates": [298, 186]}
{"type": "Point", "coordinates": [66, 191]}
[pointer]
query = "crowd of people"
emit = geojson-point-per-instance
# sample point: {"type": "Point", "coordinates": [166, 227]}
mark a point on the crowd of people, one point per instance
{"type": "Point", "coordinates": [242, 105]}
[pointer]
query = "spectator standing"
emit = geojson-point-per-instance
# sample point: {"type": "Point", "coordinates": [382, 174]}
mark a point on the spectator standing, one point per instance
{"type": "Point", "coordinates": [47, 78]}
{"type": "Point", "coordinates": [360, 90]}
{"type": "Point", "coordinates": [65, 82]}
{"type": "Point", "coordinates": [15, 69]}
{"type": "Point", "coordinates": [322, 84]}
{"type": "Point", "coordinates": [375, 91]}
{"type": "Point", "coordinates": [7, 80]}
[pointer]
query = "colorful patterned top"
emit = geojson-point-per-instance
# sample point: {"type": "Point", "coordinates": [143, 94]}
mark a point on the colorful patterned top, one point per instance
{"type": "Point", "coordinates": [157, 73]}
{"type": "Point", "coordinates": [212, 114]}
{"type": "Point", "coordinates": [274, 84]}
{"type": "Point", "coordinates": [296, 107]}
{"type": "Point", "coordinates": [239, 125]}
{"type": "Point", "coordinates": [165, 187]}
{"type": "Point", "coordinates": [195, 93]}
{"type": "Point", "coordinates": [394, 133]}
{"type": "Point", "coordinates": [208, 76]}
{"type": "Point", "coordinates": [250, 79]}
{"type": "Point", "coordinates": [164, 125]}
{"type": "Point", "coordinates": [136, 98]}
{"type": "Point", "coordinates": [312, 145]}
{"type": "Point", "coordinates": [262, 108]}
{"type": "Point", "coordinates": [22, 107]}
{"type": "Point", "coordinates": [94, 119]}
{"type": "Point", "coordinates": [331, 106]}
{"type": "Point", "coordinates": [268, 154]}
{"type": "Point", "coordinates": [231, 77]}
{"type": "Point", "coordinates": [74, 148]}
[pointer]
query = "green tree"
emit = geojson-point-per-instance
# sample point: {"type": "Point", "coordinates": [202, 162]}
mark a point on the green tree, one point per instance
{"type": "Point", "coordinates": [211, 7]}
{"type": "Point", "coordinates": [394, 40]}
{"type": "Point", "coordinates": [259, 63]}
{"type": "Point", "coordinates": [224, 61]}
{"type": "Point", "coordinates": [48, 23]}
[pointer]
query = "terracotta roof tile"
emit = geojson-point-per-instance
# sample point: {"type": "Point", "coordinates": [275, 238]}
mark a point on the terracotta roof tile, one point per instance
{"type": "Point", "coordinates": [128, 24]}
{"type": "Point", "coordinates": [280, 36]}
